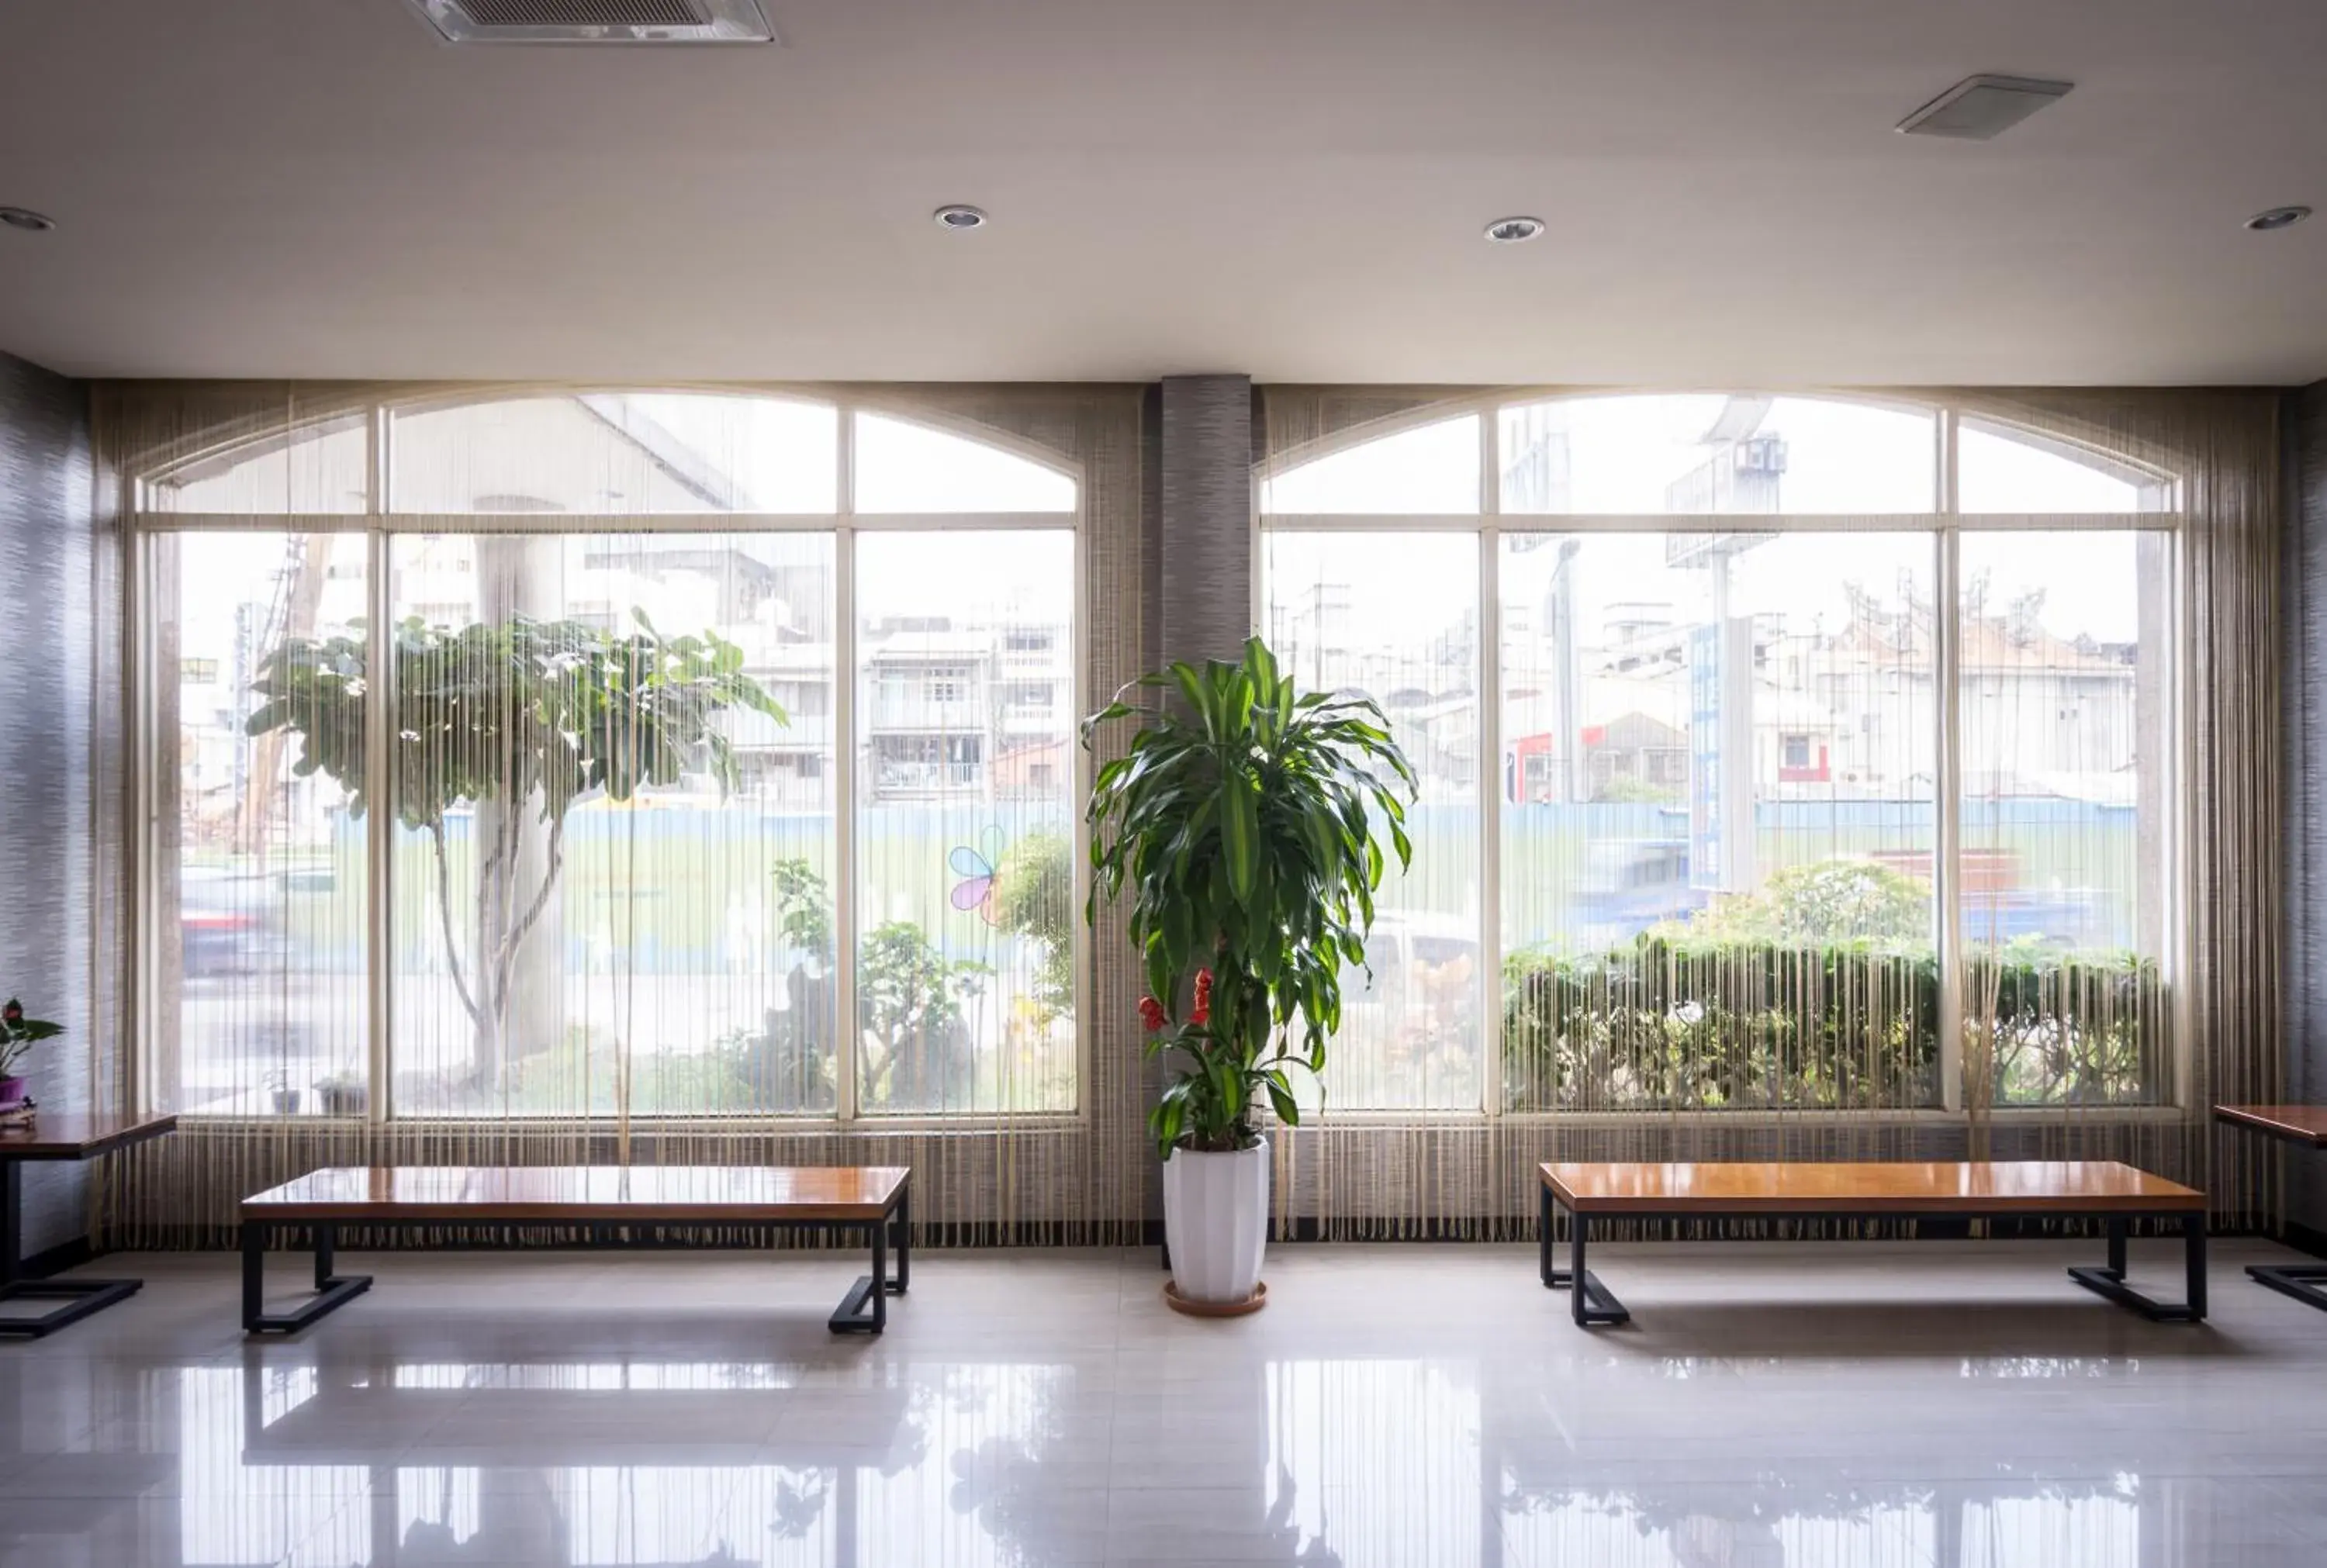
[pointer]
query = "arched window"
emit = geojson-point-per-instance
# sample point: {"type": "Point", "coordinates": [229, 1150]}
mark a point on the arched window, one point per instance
{"type": "Point", "coordinates": [1777, 752]}
{"type": "Point", "coordinates": [711, 720]}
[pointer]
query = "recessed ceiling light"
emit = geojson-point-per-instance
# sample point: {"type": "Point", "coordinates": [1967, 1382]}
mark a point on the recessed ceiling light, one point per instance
{"type": "Point", "coordinates": [957, 216]}
{"type": "Point", "coordinates": [27, 219]}
{"type": "Point", "coordinates": [1514, 230]}
{"type": "Point", "coordinates": [2277, 217]}
{"type": "Point", "coordinates": [1980, 106]}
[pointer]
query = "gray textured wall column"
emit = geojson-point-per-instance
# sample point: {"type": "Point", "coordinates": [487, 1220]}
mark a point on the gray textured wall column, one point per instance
{"type": "Point", "coordinates": [1199, 553]}
{"type": "Point", "coordinates": [46, 859]}
{"type": "Point", "coordinates": [1204, 560]}
{"type": "Point", "coordinates": [2303, 688]}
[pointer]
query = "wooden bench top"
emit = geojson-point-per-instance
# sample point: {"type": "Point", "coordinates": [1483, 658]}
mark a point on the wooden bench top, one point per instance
{"type": "Point", "coordinates": [79, 1134]}
{"type": "Point", "coordinates": [2301, 1123]}
{"type": "Point", "coordinates": [553, 1194]}
{"type": "Point", "coordinates": [1920, 1187]}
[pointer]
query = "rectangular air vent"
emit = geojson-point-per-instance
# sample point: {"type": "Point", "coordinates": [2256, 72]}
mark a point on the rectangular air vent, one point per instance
{"type": "Point", "coordinates": [1980, 106]}
{"type": "Point", "coordinates": [597, 21]}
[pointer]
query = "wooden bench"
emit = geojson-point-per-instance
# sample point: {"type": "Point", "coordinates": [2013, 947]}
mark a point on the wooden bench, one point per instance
{"type": "Point", "coordinates": [59, 1135]}
{"type": "Point", "coordinates": [2306, 1127]}
{"type": "Point", "coordinates": [1979, 1190]}
{"type": "Point", "coordinates": [601, 1199]}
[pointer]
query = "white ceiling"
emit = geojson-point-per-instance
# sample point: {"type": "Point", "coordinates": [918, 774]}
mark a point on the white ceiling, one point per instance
{"type": "Point", "coordinates": [1289, 188]}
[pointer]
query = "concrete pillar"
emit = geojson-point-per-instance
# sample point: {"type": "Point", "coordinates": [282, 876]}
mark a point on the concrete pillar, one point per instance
{"type": "Point", "coordinates": [1205, 558]}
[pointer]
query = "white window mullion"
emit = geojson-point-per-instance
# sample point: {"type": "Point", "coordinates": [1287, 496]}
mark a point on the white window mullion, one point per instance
{"type": "Point", "coordinates": [847, 1038]}
{"type": "Point", "coordinates": [1947, 844]}
{"type": "Point", "coordinates": [1491, 766]}
{"type": "Point", "coordinates": [379, 818]}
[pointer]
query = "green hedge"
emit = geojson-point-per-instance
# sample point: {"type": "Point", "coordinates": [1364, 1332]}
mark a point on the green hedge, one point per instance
{"type": "Point", "coordinates": [1686, 1024]}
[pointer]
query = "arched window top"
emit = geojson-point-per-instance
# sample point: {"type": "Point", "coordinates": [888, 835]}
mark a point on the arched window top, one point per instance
{"type": "Point", "coordinates": [2002, 468]}
{"type": "Point", "coordinates": [906, 467]}
{"type": "Point", "coordinates": [1429, 468]}
{"type": "Point", "coordinates": [1708, 454]}
{"type": "Point", "coordinates": [611, 454]}
{"type": "Point", "coordinates": [1649, 453]}
{"type": "Point", "coordinates": [615, 453]}
{"type": "Point", "coordinates": [318, 468]}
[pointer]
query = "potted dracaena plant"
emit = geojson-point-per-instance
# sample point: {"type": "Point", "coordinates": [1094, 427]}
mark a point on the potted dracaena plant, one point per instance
{"type": "Point", "coordinates": [1247, 820]}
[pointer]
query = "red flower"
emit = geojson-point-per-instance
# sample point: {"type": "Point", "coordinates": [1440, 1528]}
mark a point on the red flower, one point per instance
{"type": "Point", "coordinates": [1151, 1013]}
{"type": "Point", "coordinates": [1203, 1009]}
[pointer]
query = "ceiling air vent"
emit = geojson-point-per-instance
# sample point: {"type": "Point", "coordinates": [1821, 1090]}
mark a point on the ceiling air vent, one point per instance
{"type": "Point", "coordinates": [1980, 106]}
{"type": "Point", "coordinates": [597, 21]}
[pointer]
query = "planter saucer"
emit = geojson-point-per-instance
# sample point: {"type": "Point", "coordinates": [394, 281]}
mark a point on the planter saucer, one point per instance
{"type": "Point", "coordinates": [1251, 1303]}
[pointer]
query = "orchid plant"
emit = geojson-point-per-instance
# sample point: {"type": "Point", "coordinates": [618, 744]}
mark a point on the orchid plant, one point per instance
{"type": "Point", "coordinates": [19, 1035]}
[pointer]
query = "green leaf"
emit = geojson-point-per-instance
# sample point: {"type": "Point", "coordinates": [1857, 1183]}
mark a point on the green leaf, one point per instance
{"type": "Point", "coordinates": [1240, 832]}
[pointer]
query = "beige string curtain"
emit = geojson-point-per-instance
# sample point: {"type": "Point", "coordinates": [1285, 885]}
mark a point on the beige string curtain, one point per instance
{"type": "Point", "coordinates": [2098, 570]}
{"type": "Point", "coordinates": [713, 716]}
{"type": "Point", "coordinates": [653, 974]}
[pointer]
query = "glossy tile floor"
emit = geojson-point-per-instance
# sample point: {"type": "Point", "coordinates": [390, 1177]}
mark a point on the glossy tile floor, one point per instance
{"type": "Point", "coordinates": [1956, 1405]}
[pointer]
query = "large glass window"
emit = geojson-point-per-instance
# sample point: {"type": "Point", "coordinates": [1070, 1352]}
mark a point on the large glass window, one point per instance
{"type": "Point", "coordinates": [1739, 778]}
{"type": "Point", "coordinates": [257, 923]}
{"type": "Point", "coordinates": [577, 924]}
{"type": "Point", "coordinates": [1718, 819]}
{"type": "Point", "coordinates": [659, 805]}
{"type": "Point", "coordinates": [966, 811]}
{"type": "Point", "coordinates": [1395, 616]}
{"type": "Point", "coordinates": [2063, 691]}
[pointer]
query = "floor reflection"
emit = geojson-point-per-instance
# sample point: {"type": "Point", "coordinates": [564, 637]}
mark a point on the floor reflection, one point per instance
{"type": "Point", "coordinates": [1282, 1441]}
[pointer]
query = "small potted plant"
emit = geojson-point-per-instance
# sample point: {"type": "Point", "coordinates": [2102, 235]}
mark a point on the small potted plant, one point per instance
{"type": "Point", "coordinates": [1247, 822]}
{"type": "Point", "coordinates": [285, 1098]}
{"type": "Point", "coordinates": [343, 1093]}
{"type": "Point", "coordinates": [18, 1035]}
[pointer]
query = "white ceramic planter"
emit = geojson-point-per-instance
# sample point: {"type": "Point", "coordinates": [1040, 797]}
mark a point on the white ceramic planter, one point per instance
{"type": "Point", "coordinates": [1216, 1221]}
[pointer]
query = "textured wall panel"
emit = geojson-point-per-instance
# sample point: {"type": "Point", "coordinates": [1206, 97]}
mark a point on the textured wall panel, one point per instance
{"type": "Point", "coordinates": [2303, 694]}
{"type": "Point", "coordinates": [45, 575]}
{"type": "Point", "coordinates": [1205, 566]}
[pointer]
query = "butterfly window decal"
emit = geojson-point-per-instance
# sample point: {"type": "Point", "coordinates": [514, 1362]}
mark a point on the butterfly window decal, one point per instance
{"type": "Point", "coordinates": [976, 868]}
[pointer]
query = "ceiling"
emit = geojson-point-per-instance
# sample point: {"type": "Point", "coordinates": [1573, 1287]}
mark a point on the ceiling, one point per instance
{"type": "Point", "coordinates": [1292, 188]}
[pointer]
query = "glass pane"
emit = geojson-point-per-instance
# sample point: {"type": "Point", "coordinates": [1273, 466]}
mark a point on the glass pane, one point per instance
{"type": "Point", "coordinates": [966, 808]}
{"type": "Point", "coordinates": [620, 453]}
{"type": "Point", "coordinates": [1719, 454]}
{"type": "Point", "coordinates": [614, 893]}
{"type": "Point", "coordinates": [1433, 468]}
{"type": "Point", "coordinates": [2002, 470]}
{"type": "Point", "coordinates": [902, 467]}
{"type": "Point", "coordinates": [319, 469]}
{"type": "Point", "coordinates": [259, 873]}
{"type": "Point", "coordinates": [2065, 721]}
{"type": "Point", "coordinates": [1718, 763]}
{"type": "Point", "coordinates": [1395, 616]}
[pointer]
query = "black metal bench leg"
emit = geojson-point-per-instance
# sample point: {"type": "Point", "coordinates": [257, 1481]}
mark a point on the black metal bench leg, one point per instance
{"type": "Point", "coordinates": [864, 1310]}
{"type": "Point", "coordinates": [2303, 1281]}
{"type": "Point", "coordinates": [904, 1241]}
{"type": "Point", "coordinates": [80, 1297]}
{"type": "Point", "coordinates": [1592, 1303]}
{"type": "Point", "coordinates": [332, 1291]}
{"type": "Point", "coordinates": [2193, 1265]}
{"type": "Point", "coordinates": [1543, 1238]}
{"type": "Point", "coordinates": [254, 1274]}
{"type": "Point", "coordinates": [2109, 1281]}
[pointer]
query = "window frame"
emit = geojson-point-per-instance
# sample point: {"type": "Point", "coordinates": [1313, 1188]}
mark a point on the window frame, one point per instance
{"type": "Point", "coordinates": [380, 524]}
{"type": "Point", "coordinates": [1946, 525]}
